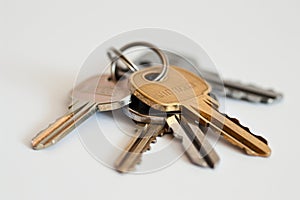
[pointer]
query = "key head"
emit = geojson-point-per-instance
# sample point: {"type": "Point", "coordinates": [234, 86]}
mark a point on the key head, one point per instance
{"type": "Point", "coordinates": [178, 86]}
{"type": "Point", "coordinates": [107, 94]}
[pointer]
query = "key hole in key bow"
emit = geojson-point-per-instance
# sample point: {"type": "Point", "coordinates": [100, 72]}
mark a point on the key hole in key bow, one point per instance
{"type": "Point", "coordinates": [151, 76]}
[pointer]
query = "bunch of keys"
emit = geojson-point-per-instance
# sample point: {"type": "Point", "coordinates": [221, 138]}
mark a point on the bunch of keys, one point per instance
{"type": "Point", "coordinates": [182, 103]}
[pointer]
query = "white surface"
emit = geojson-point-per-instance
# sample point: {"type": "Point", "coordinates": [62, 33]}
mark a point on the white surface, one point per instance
{"type": "Point", "coordinates": [43, 45]}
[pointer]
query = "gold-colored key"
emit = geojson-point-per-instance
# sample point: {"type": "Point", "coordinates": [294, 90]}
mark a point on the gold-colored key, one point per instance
{"type": "Point", "coordinates": [184, 92]}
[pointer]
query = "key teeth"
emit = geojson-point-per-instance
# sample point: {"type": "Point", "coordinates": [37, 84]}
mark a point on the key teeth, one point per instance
{"type": "Point", "coordinates": [154, 141]}
{"type": "Point", "coordinates": [161, 134]}
{"type": "Point", "coordinates": [236, 121]}
{"type": "Point", "coordinates": [235, 94]}
{"type": "Point", "coordinates": [256, 98]}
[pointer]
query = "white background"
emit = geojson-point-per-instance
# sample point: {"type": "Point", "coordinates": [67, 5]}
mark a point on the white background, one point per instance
{"type": "Point", "coordinates": [43, 45]}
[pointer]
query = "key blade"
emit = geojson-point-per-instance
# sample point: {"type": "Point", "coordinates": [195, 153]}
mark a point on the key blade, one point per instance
{"type": "Point", "coordinates": [230, 129]}
{"type": "Point", "coordinates": [63, 125]}
{"type": "Point", "coordinates": [114, 104]}
{"type": "Point", "coordinates": [247, 92]}
{"type": "Point", "coordinates": [210, 155]}
{"type": "Point", "coordinates": [140, 143]}
{"type": "Point", "coordinates": [197, 147]}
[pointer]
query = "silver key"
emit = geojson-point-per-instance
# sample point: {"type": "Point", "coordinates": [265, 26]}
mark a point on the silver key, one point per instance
{"type": "Point", "coordinates": [140, 143]}
{"type": "Point", "coordinates": [197, 148]}
{"type": "Point", "coordinates": [95, 94]}
{"type": "Point", "coordinates": [241, 91]}
{"type": "Point", "coordinates": [233, 89]}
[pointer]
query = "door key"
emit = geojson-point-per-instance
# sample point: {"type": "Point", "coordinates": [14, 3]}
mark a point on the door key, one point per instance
{"type": "Point", "coordinates": [97, 93]}
{"type": "Point", "coordinates": [184, 92]}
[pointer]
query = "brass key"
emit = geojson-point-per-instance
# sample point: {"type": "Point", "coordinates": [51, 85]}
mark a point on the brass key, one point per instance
{"type": "Point", "coordinates": [184, 92]}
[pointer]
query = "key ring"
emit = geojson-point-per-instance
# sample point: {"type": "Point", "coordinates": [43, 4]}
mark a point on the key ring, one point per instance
{"type": "Point", "coordinates": [131, 66]}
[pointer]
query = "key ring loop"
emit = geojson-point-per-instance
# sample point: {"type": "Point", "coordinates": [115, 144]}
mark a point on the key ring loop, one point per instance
{"type": "Point", "coordinates": [131, 66]}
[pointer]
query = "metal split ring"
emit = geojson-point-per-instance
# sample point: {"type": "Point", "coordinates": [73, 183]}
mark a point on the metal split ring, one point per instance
{"type": "Point", "coordinates": [131, 66]}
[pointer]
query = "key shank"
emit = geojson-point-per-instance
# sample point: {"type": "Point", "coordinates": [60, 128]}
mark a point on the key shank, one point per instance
{"type": "Point", "coordinates": [63, 125]}
{"type": "Point", "coordinates": [229, 128]}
